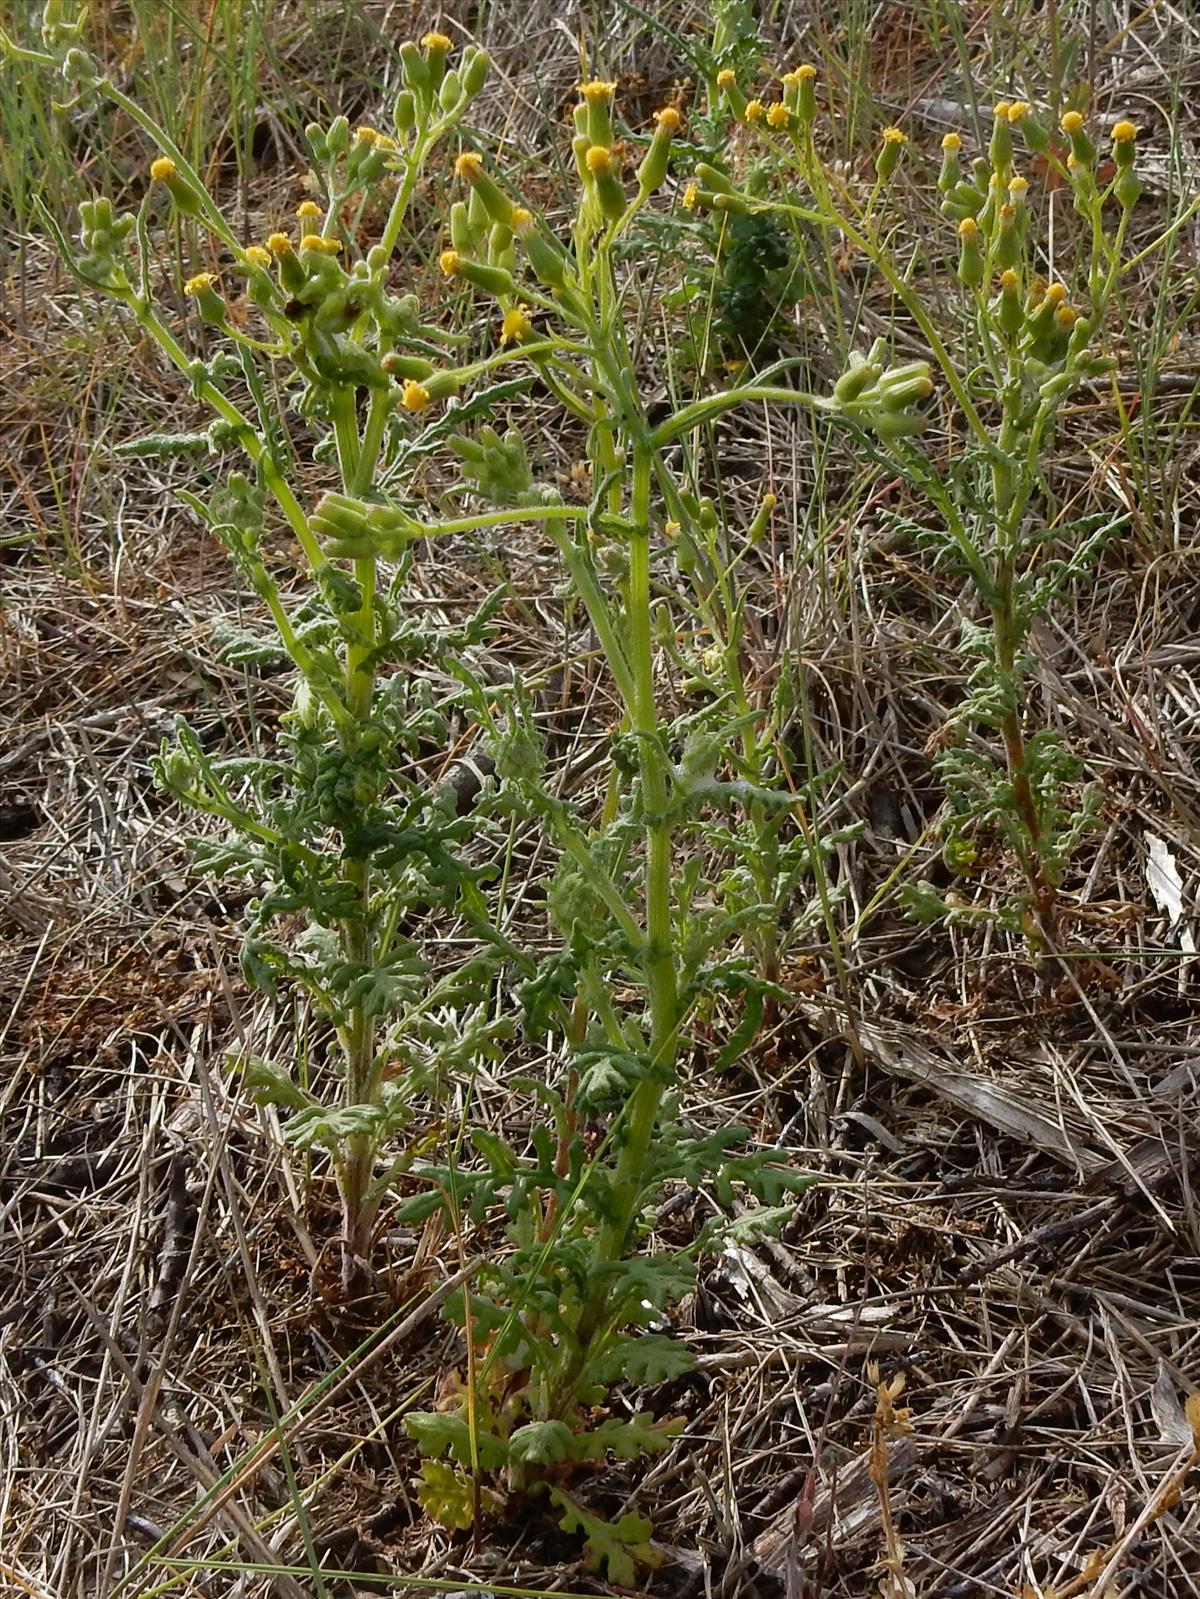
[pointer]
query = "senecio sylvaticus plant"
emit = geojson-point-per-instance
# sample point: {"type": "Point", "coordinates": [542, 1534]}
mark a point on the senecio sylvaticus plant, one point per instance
{"type": "Point", "coordinates": [1023, 335]}
{"type": "Point", "coordinates": [349, 846]}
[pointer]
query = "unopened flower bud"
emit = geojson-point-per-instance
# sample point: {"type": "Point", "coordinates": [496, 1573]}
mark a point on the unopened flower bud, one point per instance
{"type": "Point", "coordinates": [597, 99]}
{"type": "Point", "coordinates": [1082, 147]}
{"type": "Point", "coordinates": [970, 256]}
{"type": "Point", "coordinates": [888, 158]}
{"type": "Point", "coordinates": [163, 170]}
{"type": "Point", "coordinates": [203, 290]}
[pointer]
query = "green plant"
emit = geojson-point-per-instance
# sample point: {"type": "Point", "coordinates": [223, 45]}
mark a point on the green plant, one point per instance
{"type": "Point", "coordinates": [570, 1310]}
{"type": "Point", "coordinates": [335, 829]}
{"type": "Point", "coordinates": [1013, 350]}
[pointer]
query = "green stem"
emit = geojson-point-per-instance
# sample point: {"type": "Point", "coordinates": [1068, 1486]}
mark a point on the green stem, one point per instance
{"type": "Point", "coordinates": [658, 960]}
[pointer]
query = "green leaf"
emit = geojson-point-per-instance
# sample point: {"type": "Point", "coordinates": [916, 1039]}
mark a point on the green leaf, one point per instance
{"type": "Point", "coordinates": [446, 1495]}
{"type": "Point", "coordinates": [542, 1443]}
{"type": "Point", "coordinates": [269, 1084]}
{"type": "Point", "coordinates": [616, 1546]}
{"type": "Point", "coordinates": [645, 1360]}
{"type": "Point", "coordinates": [630, 1439]}
{"type": "Point", "coordinates": [440, 1433]}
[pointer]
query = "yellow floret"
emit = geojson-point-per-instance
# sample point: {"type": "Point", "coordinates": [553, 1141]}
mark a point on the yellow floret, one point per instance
{"type": "Point", "coordinates": [968, 228]}
{"type": "Point", "coordinates": [1072, 122]}
{"type": "Point", "coordinates": [1019, 109]}
{"type": "Point", "coordinates": [366, 135]}
{"type": "Point", "coordinates": [726, 78]}
{"type": "Point", "coordinates": [754, 111]}
{"type": "Point", "coordinates": [308, 208]}
{"type": "Point", "coordinates": [1056, 294]}
{"type": "Point", "coordinates": [770, 501]}
{"type": "Point", "coordinates": [516, 326]}
{"type": "Point", "coordinates": [894, 136]}
{"type": "Point", "coordinates": [257, 256]}
{"type": "Point", "coordinates": [598, 161]}
{"type": "Point", "coordinates": [690, 196]}
{"type": "Point", "coordinates": [449, 262]}
{"type": "Point", "coordinates": [436, 41]}
{"type": "Point", "coordinates": [162, 169]}
{"type": "Point", "coordinates": [951, 143]}
{"type": "Point", "coordinates": [1066, 316]}
{"type": "Point", "coordinates": [669, 118]}
{"type": "Point", "coordinates": [597, 90]}
{"type": "Point", "coordinates": [778, 116]}
{"type": "Point", "coordinates": [519, 218]}
{"type": "Point", "coordinates": [1009, 279]}
{"type": "Point", "coordinates": [414, 397]}
{"type": "Point", "coordinates": [1001, 109]}
{"type": "Point", "coordinates": [198, 284]}
{"type": "Point", "coordinates": [1017, 186]}
{"type": "Point", "coordinates": [314, 241]}
{"type": "Point", "coordinates": [805, 71]}
{"type": "Point", "coordinates": [468, 164]}
{"type": "Point", "coordinates": [1123, 131]}
{"type": "Point", "coordinates": [279, 244]}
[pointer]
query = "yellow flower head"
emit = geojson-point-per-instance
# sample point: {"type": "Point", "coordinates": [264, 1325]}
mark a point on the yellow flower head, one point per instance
{"type": "Point", "coordinates": [778, 116]}
{"type": "Point", "coordinates": [366, 135]}
{"type": "Point", "coordinates": [1123, 132]}
{"type": "Point", "coordinates": [307, 209]}
{"type": "Point", "coordinates": [951, 143]}
{"type": "Point", "coordinates": [1018, 186]}
{"type": "Point", "coordinates": [598, 161]}
{"type": "Point", "coordinates": [468, 164]}
{"type": "Point", "coordinates": [449, 261]}
{"type": "Point", "coordinates": [279, 244]}
{"type": "Point", "coordinates": [672, 530]}
{"type": "Point", "coordinates": [1072, 122]}
{"type": "Point", "coordinates": [597, 90]}
{"type": "Point", "coordinates": [438, 42]}
{"type": "Point", "coordinates": [894, 136]}
{"type": "Point", "coordinates": [805, 72]}
{"type": "Point", "coordinates": [414, 397]}
{"type": "Point", "coordinates": [754, 111]}
{"type": "Point", "coordinates": [516, 326]}
{"type": "Point", "coordinates": [1066, 316]}
{"type": "Point", "coordinates": [968, 228]}
{"type": "Point", "coordinates": [162, 169]}
{"type": "Point", "coordinates": [314, 241]}
{"type": "Point", "coordinates": [1009, 280]}
{"type": "Point", "coordinates": [669, 118]}
{"type": "Point", "coordinates": [690, 196]}
{"type": "Point", "coordinates": [1001, 110]}
{"type": "Point", "coordinates": [770, 501]}
{"type": "Point", "coordinates": [519, 218]}
{"type": "Point", "coordinates": [1056, 294]}
{"type": "Point", "coordinates": [1018, 109]}
{"type": "Point", "coordinates": [198, 284]}
{"type": "Point", "coordinates": [726, 78]}
{"type": "Point", "coordinates": [255, 254]}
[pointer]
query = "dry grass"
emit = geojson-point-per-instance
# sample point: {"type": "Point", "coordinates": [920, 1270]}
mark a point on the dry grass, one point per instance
{"type": "Point", "coordinates": [1007, 1216]}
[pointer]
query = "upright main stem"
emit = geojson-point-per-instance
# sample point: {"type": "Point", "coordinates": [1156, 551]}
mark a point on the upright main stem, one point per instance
{"type": "Point", "coordinates": [358, 460]}
{"type": "Point", "coordinates": [657, 956]}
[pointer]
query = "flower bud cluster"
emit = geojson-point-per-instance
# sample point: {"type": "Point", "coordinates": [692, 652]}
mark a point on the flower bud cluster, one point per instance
{"type": "Point", "coordinates": [434, 90]}
{"type": "Point", "coordinates": [884, 398]}
{"type": "Point", "coordinates": [990, 205]}
{"type": "Point", "coordinates": [102, 236]}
